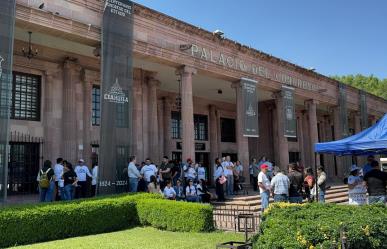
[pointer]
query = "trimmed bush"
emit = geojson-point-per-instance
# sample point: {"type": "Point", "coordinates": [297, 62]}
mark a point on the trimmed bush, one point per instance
{"type": "Point", "coordinates": [319, 225]}
{"type": "Point", "coordinates": [175, 216]}
{"type": "Point", "coordinates": [26, 224]}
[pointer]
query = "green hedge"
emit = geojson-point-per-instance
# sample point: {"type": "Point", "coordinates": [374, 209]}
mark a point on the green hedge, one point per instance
{"type": "Point", "coordinates": [26, 224]}
{"type": "Point", "coordinates": [175, 216]}
{"type": "Point", "coordinates": [319, 225]}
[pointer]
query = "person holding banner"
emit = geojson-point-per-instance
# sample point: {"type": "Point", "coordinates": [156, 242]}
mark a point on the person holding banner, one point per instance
{"type": "Point", "coordinates": [357, 192]}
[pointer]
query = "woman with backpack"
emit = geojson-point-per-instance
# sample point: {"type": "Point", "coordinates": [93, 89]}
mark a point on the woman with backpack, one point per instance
{"type": "Point", "coordinates": [46, 182]}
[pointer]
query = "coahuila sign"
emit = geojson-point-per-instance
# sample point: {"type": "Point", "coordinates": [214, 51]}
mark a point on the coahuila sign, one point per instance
{"type": "Point", "coordinates": [238, 64]}
{"type": "Point", "coordinates": [116, 95]}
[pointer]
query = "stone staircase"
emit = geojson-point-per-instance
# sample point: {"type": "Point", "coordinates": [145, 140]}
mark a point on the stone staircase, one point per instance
{"type": "Point", "coordinates": [226, 213]}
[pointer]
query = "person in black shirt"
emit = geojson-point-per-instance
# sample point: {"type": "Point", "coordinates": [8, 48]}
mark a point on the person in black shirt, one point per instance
{"type": "Point", "coordinates": [296, 182]}
{"type": "Point", "coordinates": [70, 181]}
{"type": "Point", "coordinates": [46, 182]}
{"type": "Point", "coordinates": [376, 184]}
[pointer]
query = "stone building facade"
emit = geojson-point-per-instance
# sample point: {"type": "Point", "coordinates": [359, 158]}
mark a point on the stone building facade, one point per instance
{"type": "Point", "coordinates": [172, 61]}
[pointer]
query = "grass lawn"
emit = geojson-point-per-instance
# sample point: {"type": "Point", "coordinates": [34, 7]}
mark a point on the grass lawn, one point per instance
{"type": "Point", "coordinates": [143, 238]}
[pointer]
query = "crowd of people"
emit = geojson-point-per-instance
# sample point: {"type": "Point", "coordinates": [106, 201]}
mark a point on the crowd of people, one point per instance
{"type": "Point", "coordinates": [188, 181]}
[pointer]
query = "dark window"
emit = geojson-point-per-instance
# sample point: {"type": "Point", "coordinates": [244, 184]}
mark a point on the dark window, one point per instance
{"type": "Point", "coordinates": [25, 103]}
{"type": "Point", "coordinates": [23, 168]}
{"type": "Point", "coordinates": [122, 115]}
{"type": "Point", "coordinates": [201, 127]}
{"type": "Point", "coordinates": [227, 130]}
{"type": "Point", "coordinates": [176, 125]}
{"type": "Point", "coordinates": [177, 156]}
{"type": "Point", "coordinates": [294, 157]}
{"type": "Point", "coordinates": [96, 106]}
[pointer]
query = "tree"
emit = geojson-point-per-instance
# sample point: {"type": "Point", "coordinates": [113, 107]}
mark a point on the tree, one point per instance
{"type": "Point", "coordinates": [369, 84]}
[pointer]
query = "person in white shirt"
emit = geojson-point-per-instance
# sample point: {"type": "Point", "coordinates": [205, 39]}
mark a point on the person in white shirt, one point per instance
{"type": "Point", "coordinates": [357, 191]}
{"type": "Point", "coordinates": [148, 170]}
{"type": "Point", "coordinates": [169, 192]}
{"type": "Point", "coordinates": [82, 172]}
{"type": "Point", "coordinates": [228, 167]}
{"type": "Point", "coordinates": [133, 174]}
{"type": "Point", "coordinates": [186, 169]}
{"type": "Point", "coordinates": [94, 180]}
{"type": "Point", "coordinates": [201, 172]}
{"type": "Point", "coordinates": [264, 187]}
{"type": "Point", "coordinates": [58, 172]}
{"type": "Point", "coordinates": [218, 176]}
{"type": "Point", "coordinates": [190, 192]}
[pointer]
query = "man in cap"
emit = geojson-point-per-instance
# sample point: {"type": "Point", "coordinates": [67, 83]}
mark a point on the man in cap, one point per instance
{"type": "Point", "coordinates": [82, 172]}
{"type": "Point", "coordinates": [264, 186]}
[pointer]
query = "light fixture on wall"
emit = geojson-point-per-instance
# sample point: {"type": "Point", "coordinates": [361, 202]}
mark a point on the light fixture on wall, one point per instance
{"type": "Point", "coordinates": [29, 53]}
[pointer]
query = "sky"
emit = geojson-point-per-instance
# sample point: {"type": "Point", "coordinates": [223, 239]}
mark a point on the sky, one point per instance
{"type": "Point", "coordinates": [336, 37]}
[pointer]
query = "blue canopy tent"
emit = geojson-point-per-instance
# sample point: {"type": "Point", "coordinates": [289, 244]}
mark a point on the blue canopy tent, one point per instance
{"type": "Point", "coordinates": [368, 142]}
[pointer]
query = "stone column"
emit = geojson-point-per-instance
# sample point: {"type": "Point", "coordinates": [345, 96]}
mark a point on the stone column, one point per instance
{"type": "Point", "coordinates": [153, 125]}
{"type": "Point", "coordinates": [145, 118]}
{"type": "Point", "coordinates": [329, 159]}
{"type": "Point", "coordinates": [87, 92]}
{"type": "Point", "coordinates": [167, 104]}
{"type": "Point", "coordinates": [340, 161]}
{"type": "Point", "coordinates": [357, 122]}
{"type": "Point", "coordinates": [160, 120]}
{"type": "Point", "coordinates": [306, 141]}
{"type": "Point", "coordinates": [188, 138]}
{"type": "Point", "coordinates": [311, 106]}
{"type": "Point", "coordinates": [242, 141]}
{"type": "Point", "coordinates": [72, 121]}
{"type": "Point", "coordinates": [283, 149]}
{"type": "Point", "coordinates": [214, 149]}
{"type": "Point", "coordinates": [300, 134]}
{"type": "Point", "coordinates": [137, 116]}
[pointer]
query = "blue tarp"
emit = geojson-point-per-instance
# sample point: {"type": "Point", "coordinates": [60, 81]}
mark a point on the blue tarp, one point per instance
{"type": "Point", "coordinates": [368, 142]}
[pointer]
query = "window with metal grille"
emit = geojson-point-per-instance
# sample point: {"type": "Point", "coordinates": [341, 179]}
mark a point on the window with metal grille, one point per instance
{"type": "Point", "coordinates": [201, 127]}
{"type": "Point", "coordinates": [176, 125]}
{"type": "Point", "coordinates": [227, 130]}
{"type": "Point", "coordinates": [122, 115]}
{"type": "Point", "coordinates": [96, 105]}
{"type": "Point", "coordinates": [25, 99]}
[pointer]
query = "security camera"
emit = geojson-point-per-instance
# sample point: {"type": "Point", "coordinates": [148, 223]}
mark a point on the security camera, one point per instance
{"type": "Point", "coordinates": [218, 33]}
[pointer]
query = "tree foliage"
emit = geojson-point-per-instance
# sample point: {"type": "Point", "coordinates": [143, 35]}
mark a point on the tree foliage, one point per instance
{"type": "Point", "coordinates": [369, 84]}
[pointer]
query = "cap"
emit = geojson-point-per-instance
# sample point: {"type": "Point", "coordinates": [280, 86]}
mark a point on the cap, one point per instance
{"type": "Point", "coordinates": [264, 166]}
{"type": "Point", "coordinates": [81, 161]}
{"type": "Point", "coordinates": [354, 167]}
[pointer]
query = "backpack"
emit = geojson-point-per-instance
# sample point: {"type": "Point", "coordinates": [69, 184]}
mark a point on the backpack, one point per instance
{"type": "Point", "coordinates": [44, 181]}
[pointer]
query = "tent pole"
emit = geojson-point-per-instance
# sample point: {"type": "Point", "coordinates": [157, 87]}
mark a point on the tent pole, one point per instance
{"type": "Point", "coordinates": [315, 175]}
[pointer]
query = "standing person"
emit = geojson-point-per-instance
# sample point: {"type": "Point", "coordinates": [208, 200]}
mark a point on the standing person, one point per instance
{"type": "Point", "coordinates": [256, 171]}
{"type": "Point", "coordinates": [264, 187]}
{"type": "Point", "coordinates": [176, 172]}
{"type": "Point", "coordinates": [228, 167]}
{"type": "Point", "coordinates": [169, 191]}
{"type": "Point", "coordinates": [191, 194]}
{"type": "Point", "coordinates": [94, 179]}
{"type": "Point", "coordinates": [153, 186]}
{"type": "Point", "coordinates": [296, 182]}
{"type": "Point", "coordinates": [321, 183]}
{"type": "Point", "coordinates": [376, 181]}
{"type": "Point", "coordinates": [201, 172]}
{"type": "Point", "coordinates": [165, 171]}
{"type": "Point", "coordinates": [186, 167]}
{"type": "Point", "coordinates": [58, 171]}
{"type": "Point", "coordinates": [238, 176]}
{"type": "Point", "coordinates": [70, 181]}
{"type": "Point", "coordinates": [82, 172]}
{"type": "Point", "coordinates": [46, 181]}
{"type": "Point", "coordinates": [368, 166]}
{"type": "Point", "coordinates": [133, 175]}
{"type": "Point", "coordinates": [219, 180]}
{"type": "Point", "coordinates": [357, 192]}
{"type": "Point", "coordinates": [309, 182]}
{"type": "Point", "coordinates": [179, 190]}
{"type": "Point", "coordinates": [148, 170]}
{"type": "Point", "coordinates": [280, 187]}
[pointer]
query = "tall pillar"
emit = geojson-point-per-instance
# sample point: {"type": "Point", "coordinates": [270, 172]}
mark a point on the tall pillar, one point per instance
{"type": "Point", "coordinates": [87, 91]}
{"type": "Point", "coordinates": [357, 122]}
{"type": "Point", "coordinates": [340, 161]}
{"type": "Point", "coordinates": [188, 138]}
{"type": "Point", "coordinates": [283, 148]}
{"type": "Point", "coordinates": [306, 141]}
{"type": "Point", "coordinates": [300, 134]}
{"type": "Point", "coordinates": [167, 104]}
{"type": "Point", "coordinates": [72, 112]}
{"type": "Point", "coordinates": [153, 128]}
{"type": "Point", "coordinates": [311, 106]}
{"type": "Point", "coordinates": [214, 149]}
{"type": "Point", "coordinates": [145, 117]}
{"type": "Point", "coordinates": [242, 141]}
{"type": "Point", "coordinates": [329, 159]}
{"type": "Point", "coordinates": [160, 120]}
{"type": "Point", "coordinates": [137, 116]}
